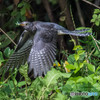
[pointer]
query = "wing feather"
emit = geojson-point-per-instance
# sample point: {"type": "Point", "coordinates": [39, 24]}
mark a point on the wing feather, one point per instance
{"type": "Point", "coordinates": [21, 53]}
{"type": "Point", "coordinates": [44, 52]}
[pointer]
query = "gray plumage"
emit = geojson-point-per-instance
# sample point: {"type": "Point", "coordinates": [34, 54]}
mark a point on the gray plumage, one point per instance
{"type": "Point", "coordinates": [37, 46]}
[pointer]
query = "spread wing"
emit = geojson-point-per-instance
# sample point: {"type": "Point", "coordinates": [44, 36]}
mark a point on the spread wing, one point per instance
{"type": "Point", "coordinates": [22, 51]}
{"type": "Point", "coordinates": [43, 52]}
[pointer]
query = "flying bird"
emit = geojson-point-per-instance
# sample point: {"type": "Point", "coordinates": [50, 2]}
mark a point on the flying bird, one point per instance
{"type": "Point", "coordinates": [37, 45]}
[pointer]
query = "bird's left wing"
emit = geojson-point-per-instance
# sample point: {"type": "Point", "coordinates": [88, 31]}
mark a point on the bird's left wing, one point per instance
{"type": "Point", "coordinates": [22, 51]}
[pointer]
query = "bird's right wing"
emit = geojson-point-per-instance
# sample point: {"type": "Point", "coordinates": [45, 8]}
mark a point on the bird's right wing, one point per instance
{"type": "Point", "coordinates": [43, 52]}
{"type": "Point", "coordinates": [22, 51]}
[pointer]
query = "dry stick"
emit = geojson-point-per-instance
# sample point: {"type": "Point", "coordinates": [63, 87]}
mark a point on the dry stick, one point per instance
{"type": "Point", "coordinates": [8, 37]}
{"type": "Point", "coordinates": [91, 53]}
{"type": "Point", "coordinates": [79, 13]}
{"type": "Point", "coordinates": [91, 4]}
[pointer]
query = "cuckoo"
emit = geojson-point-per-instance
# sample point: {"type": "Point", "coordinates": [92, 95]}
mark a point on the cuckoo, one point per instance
{"type": "Point", "coordinates": [37, 45]}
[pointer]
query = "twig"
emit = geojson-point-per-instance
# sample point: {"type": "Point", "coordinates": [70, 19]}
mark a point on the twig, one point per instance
{"type": "Point", "coordinates": [91, 4]}
{"type": "Point", "coordinates": [8, 37]}
{"type": "Point", "coordinates": [91, 53]}
{"type": "Point", "coordinates": [95, 42]}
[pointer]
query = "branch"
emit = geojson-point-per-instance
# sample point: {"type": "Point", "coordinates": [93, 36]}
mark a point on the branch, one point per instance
{"type": "Point", "coordinates": [65, 9]}
{"type": "Point", "coordinates": [95, 42]}
{"type": "Point", "coordinates": [69, 22]}
{"type": "Point", "coordinates": [79, 13]}
{"type": "Point", "coordinates": [8, 37]}
{"type": "Point", "coordinates": [48, 9]}
{"type": "Point", "coordinates": [91, 4]}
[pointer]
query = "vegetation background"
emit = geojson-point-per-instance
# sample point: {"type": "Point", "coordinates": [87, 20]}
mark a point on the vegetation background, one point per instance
{"type": "Point", "coordinates": [77, 68]}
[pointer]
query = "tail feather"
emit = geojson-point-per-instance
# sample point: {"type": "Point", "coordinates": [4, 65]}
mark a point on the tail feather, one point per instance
{"type": "Point", "coordinates": [82, 32]}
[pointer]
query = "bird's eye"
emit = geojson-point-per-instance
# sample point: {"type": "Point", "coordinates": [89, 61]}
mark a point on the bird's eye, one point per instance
{"type": "Point", "coordinates": [26, 24]}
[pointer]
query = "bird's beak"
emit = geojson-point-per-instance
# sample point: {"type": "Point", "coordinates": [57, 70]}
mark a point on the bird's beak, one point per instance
{"type": "Point", "coordinates": [20, 24]}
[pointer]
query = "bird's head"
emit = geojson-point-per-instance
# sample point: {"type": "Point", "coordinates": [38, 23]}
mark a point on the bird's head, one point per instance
{"type": "Point", "coordinates": [29, 26]}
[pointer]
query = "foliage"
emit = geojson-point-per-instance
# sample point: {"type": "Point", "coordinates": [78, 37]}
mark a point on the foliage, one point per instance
{"type": "Point", "coordinates": [6, 53]}
{"type": "Point", "coordinates": [79, 73]}
{"type": "Point", "coordinates": [57, 84]}
{"type": "Point", "coordinates": [5, 41]}
{"type": "Point", "coordinates": [96, 17]}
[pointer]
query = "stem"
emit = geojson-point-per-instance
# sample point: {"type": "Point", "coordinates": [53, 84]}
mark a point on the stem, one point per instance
{"type": "Point", "coordinates": [8, 37]}
{"type": "Point", "coordinates": [91, 4]}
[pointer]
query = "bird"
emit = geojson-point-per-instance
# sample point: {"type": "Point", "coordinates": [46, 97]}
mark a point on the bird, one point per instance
{"type": "Point", "coordinates": [38, 44]}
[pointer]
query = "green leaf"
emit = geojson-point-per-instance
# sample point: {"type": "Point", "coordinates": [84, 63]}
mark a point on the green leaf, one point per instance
{"type": "Point", "coordinates": [96, 11]}
{"type": "Point", "coordinates": [77, 47]}
{"type": "Point", "coordinates": [91, 67]}
{"type": "Point", "coordinates": [21, 4]}
{"type": "Point", "coordinates": [53, 75]}
{"type": "Point", "coordinates": [80, 79]}
{"type": "Point", "coordinates": [23, 10]}
{"type": "Point", "coordinates": [22, 83]}
{"type": "Point", "coordinates": [94, 16]}
{"type": "Point", "coordinates": [96, 78]}
{"type": "Point", "coordinates": [60, 97]}
{"type": "Point", "coordinates": [70, 66]}
{"type": "Point", "coordinates": [81, 64]}
{"type": "Point", "coordinates": [70, 81]}
{"type": "Point", "coordinates": [15, 81]}
{"type": "Point", "coordinates": [99, 17]}
{"type": "Point", "coordinates": [75, 79]}
{"type": "Point", "coordinates": [1, 56]}
{"type": "Point", "coordinates": [66, 75]}
{"type": "Point", "coordinates": [97, 53]}
{"type": "Point", "coordinates": [97, 86]}
{"type": "Point", "coordinates": [7, 52]}
{"type": "Point", "coordinates": [71, 59]}
{"type": "Point", "coordinates": [14, 13]}
{"type": "Point", "coordinates": [77, 70]}
{"type": "Point", "coordinates": [76, 57]}
{"type": "Point", "coordinates": [89, 79]}
{"type": "Point", "coordinates": [97, 23]}
{"type": "Point", "coordinates": [80, 52]}
{"type": "Point", "coordinates": [92, 20]}
{"type": "Point", "coordinates": [23, 70]}
{"type": "Point", "coordinates": [98, 68]}
{"type": "Point", "coordinates": [76, 65]}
